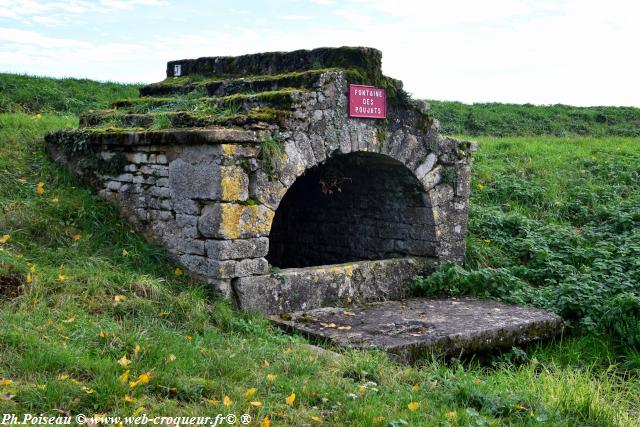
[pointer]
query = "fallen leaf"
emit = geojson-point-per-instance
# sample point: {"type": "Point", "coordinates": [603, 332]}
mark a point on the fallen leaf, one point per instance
{"type": "Point", "coordinates": [61, 277]}
{"type": "Point", "coordinates": [172, 357]}
{"type": "Point", "coordinates": [76, 237]}
{"type": "Point", "coordinates": [378, 419]}
{"type": "Point", "coordinates": [128, 399]}
{"type": "Point", "coordinates": [141, 380]}
{"type": "Point", "coordinates": [125, 253]}
{"type": "Point", "coordinates": [316, 420]}
{"type": "Point", "coordinates": [256, 403]}
{"type": "Point", "coordinates": [87, 390]}
{"type": "Point", "coordinates": [102, 334]}
{"type": "Point", "coordinates": [178, 271]}
{"type": "Point", "coordinates": [5, 382]}
{"type": "Point", "coordinates": [40, 188]}
{"type": "Point", "coordinates": [266, 422]}
{"type": "Point", "coordinates": [29, 279]}
{"type": "Point", "coordinates": [124, 378]}
{"type": "Point", "coordinates": [188, 338]}
{"type": "Point", "coordinates": [344, 328]}
{"type": "Point", "coordinates": [413, 406]}
{"type": "Point", "coordinates": [5, 238]}
{"type": "Point", "coordinates": [292, 398]}
{"type": "Point", "coordinates": [226, 401]}
{"type": "Point", "coordinates": [119, 298]}
{"type": "Point", "coordinates": [137, 349]}
{"type": "Point", "coordinates": [415, 387]}
{"type": "Point", "coordinates": [250, 392]}
{"type": "Point", "coordinates": [265, 364]}
{"type": "Point", "coordinates": [124, 362]}
{"type": "Point", "coordinates": [348, 313]}
{"type": "Point", "coordinates": [69, 320]}
{"type": "Point", "coordinates": [271, 377]}
{"type": "Point", "coordinates": [213, 402]}
{"type": "Point", "coordinates": [55, 200]}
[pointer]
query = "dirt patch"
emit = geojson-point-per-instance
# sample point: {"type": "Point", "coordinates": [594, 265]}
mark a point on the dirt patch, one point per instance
{"type": "Point", "coordinates": [10, 286]}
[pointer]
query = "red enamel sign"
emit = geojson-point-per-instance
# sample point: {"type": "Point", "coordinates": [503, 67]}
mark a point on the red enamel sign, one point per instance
{"type": "Point", "coordinates": [367, 101]}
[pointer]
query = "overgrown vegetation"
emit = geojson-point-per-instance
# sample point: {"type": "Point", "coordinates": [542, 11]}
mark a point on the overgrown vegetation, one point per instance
{"type": "Point", "coordinates": [554, 223]}
{"type": "Point", "coordinates": [28, 94]}
{"type": "Point", "coordinates": [496, 119]}
{"type": "Point", "coordinates": [271, 154]}
{"type": "Point", "coordinates": [85, 302]}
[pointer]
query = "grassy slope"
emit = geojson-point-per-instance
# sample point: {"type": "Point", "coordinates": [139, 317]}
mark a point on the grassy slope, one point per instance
{"type": "Point", "coordinates": [63, 334]}
{"type": "Point", "coordinates": [28, 94]}
{"type": "Point", "coordinates": [521, 120]}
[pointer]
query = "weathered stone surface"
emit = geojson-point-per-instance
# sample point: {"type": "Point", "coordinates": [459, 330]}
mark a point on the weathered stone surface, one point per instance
{"type": "Point", "coordinates": [312, 287]}
{"type": "Point", "coordinates": [237, 249]}
{"type": "Point", "coordinates": [194, 181]}
{"type": "Point", "coordinates": [234, 221]}
{"type": "Point", "coordinates": [417, 327]}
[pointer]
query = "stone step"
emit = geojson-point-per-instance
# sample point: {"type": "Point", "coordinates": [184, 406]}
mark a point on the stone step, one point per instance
{"type": "Point", "coordinates": [281, 98]}
{"type": "Point", "coordinates": [418, 327]}
{"type": "Point", "coordinates": [105, 119]}
{"type": "Point", "coordinates": [216, 86]}
{"type": "Point", "coordinates": [220, 135]}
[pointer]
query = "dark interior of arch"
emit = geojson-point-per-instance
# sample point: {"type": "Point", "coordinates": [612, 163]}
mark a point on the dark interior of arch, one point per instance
{"type": "Point", "coordinates": [358, 206]}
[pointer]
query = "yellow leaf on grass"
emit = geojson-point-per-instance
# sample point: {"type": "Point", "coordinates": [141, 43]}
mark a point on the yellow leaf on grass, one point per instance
{"type": "Point", "coordinates": [316, 420]}
{"type": "Point", "coordinates": [178, 271]}
{"type": "Point", "coordinates": [124, 362]}
{"type": "Point", "coordinates": [87, 390]}
{"type": "Point", "coordinates": [288, 350]}
{"type": "Point", "coordinates": [62, 377]}
{"type": "Point", "coordinates": [61, 277]}
{"type": "Point", "coordinates": [250, 392]}
{"type": "Point", "coordinates": [213, 402]}
{"type": "Point", "coordinates": [125, 253]}
{"type": "Point", "coordinates": [124, 378]}
{"type": "Point", "coordinates": [413, 406]}
{"type": "Point", "coordinates": [172, 357]}
{"type": "Point", "coordinates": [119, 298]}
{"type": "Point", "coordinates": [226, 401]}
{"type": "Point", "coordinates": [102, 334]}
{"type": "Point", "coordinates": [40, 188]}
{"type": "Point", "coordinates": [76, 237]}
{"type": "Point", "coordinates": [32, 267]}
{"type": "Point", "coordinates": [451, 416]}
{"type": "Point", "coordinates": [256, 403]}
{"type": "Point", "coordinates": [291, 399]}
{"type": "Point", "coordinates": [377, 420]}
{"type": "Point", "coordinates": [69, 320]}
{"type": "Point", "coordinates": [137, 349]}
{"type": "Point", "coordinates": [265, 364]}
{"type": "Point", "coordinates": [29, 279]}
{"type": "Point", "coordinates": [415, 387]}
{"type": "Point", "coordinates": [128, 399]}
{"type": "Point", "coordinates": [5, 238]}
{"type": "Point", "coordinates": [139, 411]}
{"type": "Point", "coordinates": [141, 380]}
{"type": "Point", "coordinates": [271, 377]}
{"type": "Point", "coordinates": [6, 382]}
{"type": "Point", "coordinates": [266, 422]}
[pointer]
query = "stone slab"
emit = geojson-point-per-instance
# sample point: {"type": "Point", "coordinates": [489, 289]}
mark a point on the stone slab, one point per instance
{"type": "Point", "coordinates": [416, 327]}
{"type": "Point", "coordinates": [307, 288]}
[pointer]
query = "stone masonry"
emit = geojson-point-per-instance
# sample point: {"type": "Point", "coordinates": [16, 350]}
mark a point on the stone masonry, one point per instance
{"type": "Point", "coordinates": [242, 163]}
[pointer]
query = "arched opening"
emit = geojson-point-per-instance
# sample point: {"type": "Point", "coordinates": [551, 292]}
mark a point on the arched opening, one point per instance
{"type": "Point", "coordinates": [353, 207]}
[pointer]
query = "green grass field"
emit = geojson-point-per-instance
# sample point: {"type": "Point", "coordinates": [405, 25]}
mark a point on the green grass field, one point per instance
{"type": "Point", "coordinates": [96, 320]}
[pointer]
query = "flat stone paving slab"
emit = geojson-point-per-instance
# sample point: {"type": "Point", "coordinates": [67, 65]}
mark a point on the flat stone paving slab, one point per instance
{"type": "Point", "coordinates": [413, 328]}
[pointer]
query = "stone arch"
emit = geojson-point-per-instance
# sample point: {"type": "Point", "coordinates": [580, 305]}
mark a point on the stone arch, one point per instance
{"type": "Point", "coordinates": [353, 206]}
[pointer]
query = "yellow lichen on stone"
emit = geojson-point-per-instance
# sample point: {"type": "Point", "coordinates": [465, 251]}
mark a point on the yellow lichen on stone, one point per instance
{"type": "Point", "coordinates": [374, 137]}
{"type": "Point", "coordinates": [234, 183]}
{"type": "Point", "coordinates": [240, 221]}
{"type": "Point", "coordinates": [229, 149]}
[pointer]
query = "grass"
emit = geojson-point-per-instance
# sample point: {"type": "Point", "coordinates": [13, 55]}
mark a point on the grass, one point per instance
{"type": "Point", "coordinates": [28, 94]}
{"type": "Point", "coordinates": [79, 290]}
{"type": "Point", "coordinates": [527, 120]}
